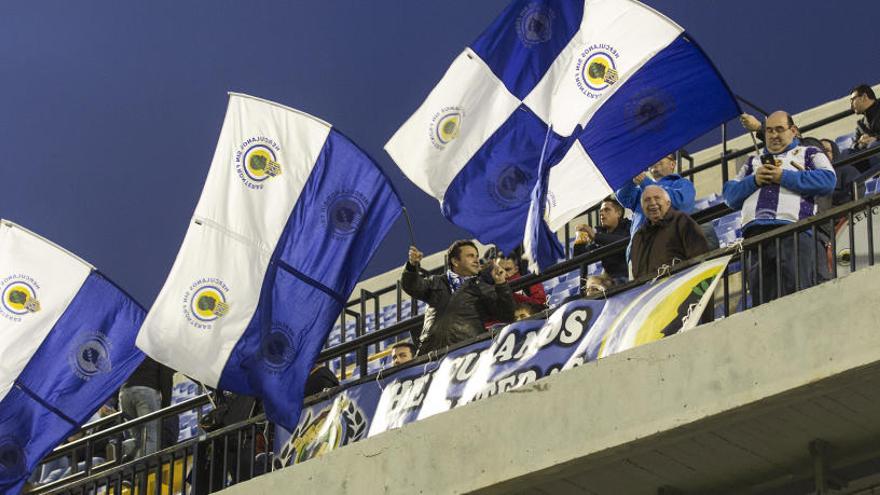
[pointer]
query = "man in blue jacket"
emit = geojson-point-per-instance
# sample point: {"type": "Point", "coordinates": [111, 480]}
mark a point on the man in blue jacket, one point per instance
{"type": "Point", "coordinates": [681, 192]}
{"type": "Point", "coordinates": [778, 188]}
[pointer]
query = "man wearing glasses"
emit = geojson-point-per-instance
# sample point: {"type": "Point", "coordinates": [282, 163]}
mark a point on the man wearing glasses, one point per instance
{"type": "Point", "coordinates": [864, 103]}
{"type": "Point", "coordinates": [777, 188]}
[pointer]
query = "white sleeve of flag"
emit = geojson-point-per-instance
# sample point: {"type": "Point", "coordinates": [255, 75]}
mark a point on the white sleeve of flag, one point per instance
{"type": "Point", "coordinates": [465, 108]}
{"type": "Point", "coordinates": [206, 303]}
{"type": "Point", "coordinates": [575, 185]}
{"type": "Point", "coordinates": [37, 282]}
{"type": "Point", "coordinates": [253, 203]}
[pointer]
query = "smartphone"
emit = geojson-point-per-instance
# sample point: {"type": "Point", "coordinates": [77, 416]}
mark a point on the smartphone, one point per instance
{"type": "Point", "coordinates": [768, 160]}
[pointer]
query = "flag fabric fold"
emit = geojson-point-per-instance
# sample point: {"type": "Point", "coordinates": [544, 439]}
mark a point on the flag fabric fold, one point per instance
{"type": "Point", "coordinates": [291, 213]}
{"type": "Point", "coordinates": [474, 143]}
{"type": "Point", "coordinates": [66, 344]}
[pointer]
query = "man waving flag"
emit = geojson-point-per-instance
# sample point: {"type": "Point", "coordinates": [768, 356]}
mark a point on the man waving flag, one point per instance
{"type": "Point", "coordinates": [66, 344]}
{"type": "Point", "coordinates": [476, 141]}
{"type": "Point", "coordinates": [290, 214]}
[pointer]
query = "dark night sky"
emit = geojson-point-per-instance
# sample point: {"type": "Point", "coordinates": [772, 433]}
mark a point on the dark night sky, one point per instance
{"type": "Point", "coordinates": [110, 111]}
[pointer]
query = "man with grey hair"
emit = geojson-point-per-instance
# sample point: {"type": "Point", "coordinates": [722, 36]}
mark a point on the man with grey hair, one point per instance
{"type": "Point", "coordinates": [668, 236]}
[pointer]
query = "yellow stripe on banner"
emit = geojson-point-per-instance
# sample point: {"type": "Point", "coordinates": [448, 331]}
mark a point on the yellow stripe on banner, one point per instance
{"type": "Point", "coordinates": [667, 309]}
{"type": "Point", "coordinates": [657, 307]}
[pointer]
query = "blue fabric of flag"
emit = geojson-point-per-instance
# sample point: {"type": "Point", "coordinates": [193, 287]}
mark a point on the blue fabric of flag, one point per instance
{"type": "Point", "coordinates": [674, 98]}
{"type": "Point", "coordinates": [490, 196]}
{"type": "Point", "coordinates": [85, 358]}
{"type": "Point", "coordinates": [337, 224]}
{"type": "Point", "coordinates": [543, 247]}
{"type": "Point", "coordinates": [525, 39]}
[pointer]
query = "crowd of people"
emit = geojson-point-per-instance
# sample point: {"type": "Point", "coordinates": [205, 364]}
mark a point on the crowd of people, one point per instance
{"type": "Point", "coordinates": [790, 180]}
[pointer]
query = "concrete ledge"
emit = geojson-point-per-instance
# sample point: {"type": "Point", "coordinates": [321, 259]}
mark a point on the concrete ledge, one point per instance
{"type": "Point", "coordinates": [602, 412]}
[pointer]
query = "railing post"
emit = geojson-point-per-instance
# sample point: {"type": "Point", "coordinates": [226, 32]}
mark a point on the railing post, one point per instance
{"type": "Point", "coordinates": [724, 173]}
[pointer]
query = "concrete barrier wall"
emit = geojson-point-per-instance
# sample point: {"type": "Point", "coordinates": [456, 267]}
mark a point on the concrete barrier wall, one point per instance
{"type": "Point", "coordinates": [589, 414]}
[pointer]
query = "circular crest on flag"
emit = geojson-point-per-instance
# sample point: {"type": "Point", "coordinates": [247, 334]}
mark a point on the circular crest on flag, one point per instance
{"type": "Point", "coordinates": [596, 69]}
{"type": "Point", "coordinates": [445, 126]}
{"type": "Point", "coordinates": [12, 460]}
{"type": "Point", "coordinates": [649, 109]}
{"type": "Point", "coordinates": [344, 212]}
{"type": "Point", "coordinates": [91, 356]}
{"type": "Point", "coordinates": [256, 160]}
{"type": "Point", "coordinates": [510, 184]}
{"type": "Point", "coordinates": [205, 301]}
{"type": "Point", "coordinates": [18, 296]}
{"type": "Point", "coordinates": [535, 24]}
{"type": "Point", "coordinates": [340, 423]}
{"type": "Point", "coordinates": [278, 347]}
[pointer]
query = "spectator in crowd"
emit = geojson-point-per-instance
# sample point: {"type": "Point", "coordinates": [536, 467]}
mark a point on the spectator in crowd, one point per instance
{"type": "Point", "coordinates": [402, 352]}
{"type": "Point", "coordinates": [613, 227]}
{"type": "Point", "coordinates": [533, 294]}
{"type": "Point", "coordinates": [681, 192]}
{"type": "Point", "coordinates": [864, 103]}
{"type": "Point", "coordinates": [524, 310]}
{"type": "Point", "coordinates": [778, 188]}
{"type": "Point", "coordinates": [320, 379]}
{"type": "Point", "coordinates": [461, 300]}
{"type": "Point", "coordinates": [668, 236]}
{"type": "Point", "coordinates": [147, 390]}
{"type": "Point", "coordinates": [598, 285]}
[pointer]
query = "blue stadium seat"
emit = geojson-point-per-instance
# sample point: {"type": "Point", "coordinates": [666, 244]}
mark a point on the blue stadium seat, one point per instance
{"type": "Point", "coordinates": [845, 141]}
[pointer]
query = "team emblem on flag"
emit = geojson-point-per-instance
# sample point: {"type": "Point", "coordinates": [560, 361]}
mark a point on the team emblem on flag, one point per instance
{"type": "Point", "coordinates": [278, 348]}
{"type": "Point", "coordinates": [256, 161]}
{"type": "Point", "coordinates": [511, 185]}
{"type": "Point", "coordinates": [445, 126]}
{"type": "Point", "coordinates": [91, 356]}
{"type": "Point", "coordinates": [205, 302]}
{"type": "Point", "coordinates": [534, 25]}
{"type": "Point", "coordinates": [344, 211]}
{"type": "Point", "coordinates": [19, 296]}
{"type": "Point", "coordinates": [596, 69]}
{"type": "Point", "coordinates": [12, 459]}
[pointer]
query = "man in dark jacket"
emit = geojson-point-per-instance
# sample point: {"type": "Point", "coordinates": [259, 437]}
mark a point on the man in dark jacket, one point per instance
{"type": "Point", "coordinates": [613, 227]}
{"type": "Point", "coordinates": [668, 235]}
{"type": "Point", "coordinates": [459, 301]}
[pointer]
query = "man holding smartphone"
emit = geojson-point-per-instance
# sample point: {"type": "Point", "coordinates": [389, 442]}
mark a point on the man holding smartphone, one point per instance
{"type": "Point", "coordinates": [780, 187]}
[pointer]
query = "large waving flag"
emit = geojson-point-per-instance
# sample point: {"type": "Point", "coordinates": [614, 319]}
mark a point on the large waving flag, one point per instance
{"type": "Point", "coordinates": [290, 214]}
{"type": "Point", "coordinates": [475, 143]}
{"type": "Point", "coordinates": [66, 344]}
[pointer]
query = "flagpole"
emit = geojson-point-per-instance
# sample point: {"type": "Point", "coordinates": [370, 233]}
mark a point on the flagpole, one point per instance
{"type": "Point", "coordinates": [412, 237]}
{"type": "Point", "coordinates": [755, 142]}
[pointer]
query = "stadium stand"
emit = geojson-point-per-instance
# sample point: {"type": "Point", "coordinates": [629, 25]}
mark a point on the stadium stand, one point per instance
{"type": "Point", "coordinates": [731, 418]}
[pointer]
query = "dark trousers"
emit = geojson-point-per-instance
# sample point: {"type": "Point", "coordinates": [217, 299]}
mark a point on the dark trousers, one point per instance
{"type": "Point", "coordinates": [764, 280]}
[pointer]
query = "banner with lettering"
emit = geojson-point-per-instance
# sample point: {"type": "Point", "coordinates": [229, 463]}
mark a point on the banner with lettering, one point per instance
{"type": "Point", "coordinates": [523, 352]}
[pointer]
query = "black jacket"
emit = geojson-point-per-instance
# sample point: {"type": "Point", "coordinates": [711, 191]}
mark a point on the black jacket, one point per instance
{"type": "Point", "coordinates": [675, 236]}
{"type": "Point", "coordinates": [452, 318]}
{"type": "Point", "coordinates": [869, 124]}
{"type": "Point", "coordinates": [614, 265]}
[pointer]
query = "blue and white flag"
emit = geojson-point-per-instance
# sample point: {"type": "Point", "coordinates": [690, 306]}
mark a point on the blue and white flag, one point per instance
{"type": "Point", "coordinates": [290, 214]}
{"type": "Point", "coordinates": [66, 344]}
{"type": "Point", "coordinates": [475, 142]}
